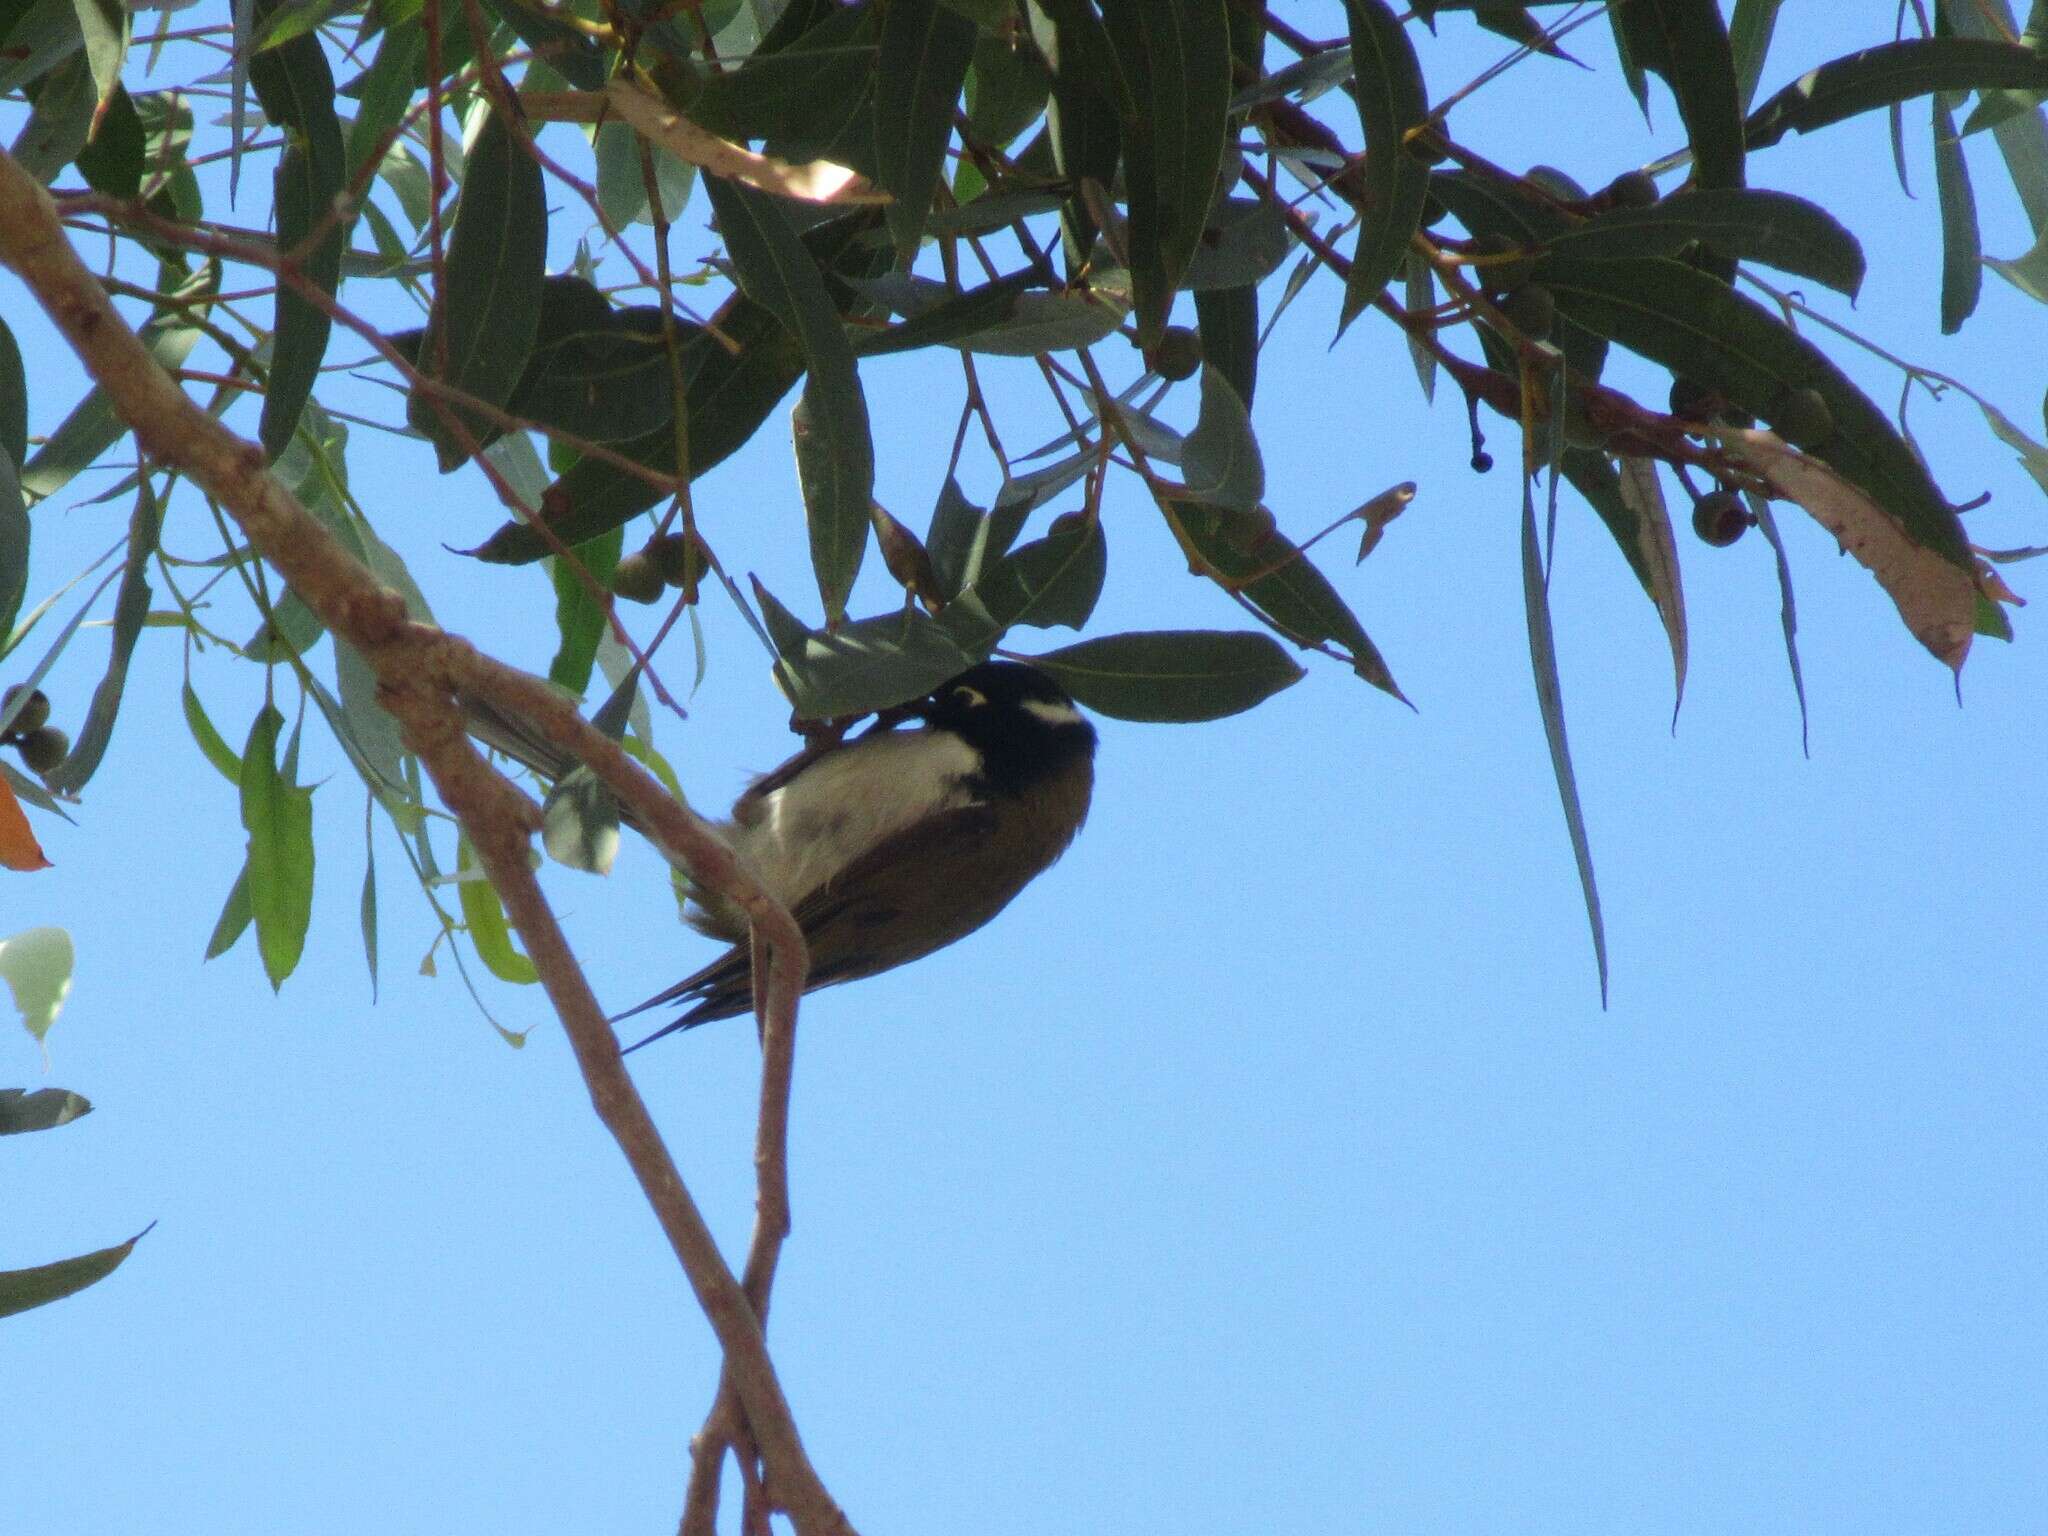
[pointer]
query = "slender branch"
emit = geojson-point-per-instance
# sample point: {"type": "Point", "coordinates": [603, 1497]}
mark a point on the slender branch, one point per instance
{"type": "Point", "coordinates": [420, 672]}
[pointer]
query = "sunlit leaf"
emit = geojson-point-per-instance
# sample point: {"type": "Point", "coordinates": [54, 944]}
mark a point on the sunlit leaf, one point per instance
{"type": "Point", "coordinates": [36, 964]}
{"type": "Point", "coordinates": [278, 816]}
{"type": "Point", "coordinates": [484, 916]}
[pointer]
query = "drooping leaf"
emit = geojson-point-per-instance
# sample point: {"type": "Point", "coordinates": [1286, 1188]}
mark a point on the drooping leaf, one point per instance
{"type": "Point", "coordinates": [131, 607]}
{"type": "Point", "coordinates": [278, 816]}
{"type": "Point", "coordinates": [484, 916]}
{"type": "Point", "coordinates": [1962, 256]}
{"type": "Point", "coordinates": [1686, 42]}
{"type": "Point", "coordinates": [579, 618]}
{"type": "Point", "coordinates": [1229, 323]}
{"type": "Point", "coordinates": [235, 917]}
{"type": "Point", "coordinates": [1174, 57]}
{"type": "Point", "coordinates": [296, 90]}
{"type": "Point", "coordinates": [1172, 676]}
{"type": "Point", "coordinates": [56, 130]}
{"type": "Point", "coordinates": [103, 24]}
{"type": "Point", "coordinates": [1655, 556]}
{"type": "Point", "coordinates": [925, 51]}
{"type": "Point", "coordinates": [387, 88]}
{"type": "Point", "coordinates": [1550, 701]}
{"type": "Point", "coordinates": [13, 419]}
{"type": "Point", "coordinates": [19, 849]}
{"type": "Point", "coordinates": [1788, 609]}
{"type": "Point", "coordinates": [488, 309]}
{"type": "Point", "coordinates": [112, 160]}
{"type": "Point", "coordinates": [963, 539]}
{"type": "Point", "coordinates": [1391, 100]}
{"type": "Point", "coordinates": [1749, 40]}
{"type": "Point", "coordinates": [2014, 116]}
{"type": "Point", "coordinates": [1245, 242]}
{"type": "Point", "coordinates": [14, 543]}
{"type": "Point", "coordinates": [21, 1289]}
{"type": "Point", "coordinates": [835, 452]}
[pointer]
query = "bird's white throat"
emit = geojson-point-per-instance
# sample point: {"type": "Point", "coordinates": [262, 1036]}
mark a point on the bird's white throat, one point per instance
{"type": "Point", "coordinates": [848, 801]}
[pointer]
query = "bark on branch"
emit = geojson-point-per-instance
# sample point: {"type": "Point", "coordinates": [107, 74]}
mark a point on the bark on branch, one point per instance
{"type": "Point", "coordinates": [420, 669]}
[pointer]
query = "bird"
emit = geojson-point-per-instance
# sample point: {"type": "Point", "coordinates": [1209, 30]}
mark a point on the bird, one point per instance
{"type": "Point", "coordinates": [895, 843]}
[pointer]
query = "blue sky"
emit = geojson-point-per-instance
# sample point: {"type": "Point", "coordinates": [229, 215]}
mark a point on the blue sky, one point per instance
{"type": "Point", "coordinates": [1270, 1162]}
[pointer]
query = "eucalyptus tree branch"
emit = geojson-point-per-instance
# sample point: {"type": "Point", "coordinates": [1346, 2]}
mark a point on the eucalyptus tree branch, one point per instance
{"type": "Point", "coordinates": [420, 672]}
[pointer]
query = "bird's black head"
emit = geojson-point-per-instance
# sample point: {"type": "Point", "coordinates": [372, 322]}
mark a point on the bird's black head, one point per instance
{"type": "Point", "coordinates": [1021, 721]}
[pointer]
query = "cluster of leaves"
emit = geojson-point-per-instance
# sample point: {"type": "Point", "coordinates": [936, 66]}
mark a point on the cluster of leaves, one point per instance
{"type": "Point", "coordinates": [978, 180]}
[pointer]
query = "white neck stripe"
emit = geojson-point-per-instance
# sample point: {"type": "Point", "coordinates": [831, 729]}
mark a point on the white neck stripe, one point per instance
{"type": "Point", "coordinates": [1052, 713]}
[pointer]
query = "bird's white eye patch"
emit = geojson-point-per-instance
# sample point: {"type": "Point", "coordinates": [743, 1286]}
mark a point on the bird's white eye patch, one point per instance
{"type": "Point", "coordinates": [974, 698]}
{"type": "Point", "coordinates": [1052, 712]}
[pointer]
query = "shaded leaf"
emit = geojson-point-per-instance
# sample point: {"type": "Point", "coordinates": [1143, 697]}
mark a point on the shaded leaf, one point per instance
{"type": "Point", "coordinates": [1229, 324]}
{"type": "Point", "coordinates": [42, 1110]}
{"type": "Point", "coordinates": [1962, 265]}
{"type": "Point", "coordinates": [56, 130]}
{"type": "Point", "coordinates": [1749, 40]}
{"type": "Point", "coordinates": [1053, 581]}
{"type": "Point", "coordinates": [1775, 228]}
{"type": "Point", "coordinates": [865, 665]}
{"type": "Point", "coordinates": [1391, 100]}
{"type": "Point", "coordinates": [835, 453]}
{"type": "Point", "coordinates": [1245, 242]}
{"type": "Point", "coordinates": [1654, 554]}
{"type": "Point", "coordinates": [13, 421]}
{"type": "Point", "coordinates": [1056, 322]}
{"type": "Point", "coordinates": [131, 607]}
{"type": "Point", "coordinates": [22, 1289]}
{"type": "Point", "coordinates": [963, 538]}
{"type": "Point", "coordinates": [296, 90]}
{"type": "Point", "coordinates": [925, 51]}
{"type": "Point", "coordinates": [14, 544]}
{"type": "Point", "coordinates": [953, 318]}
{"type": "Point", "coordinates": [1221, 460]}
{"type": "Point", "coordinates": [1788, 610]}
{"type": "Point", "coordinates": [488, 308]}
{"type": "Point", "coordinates": [1891, 73]}
{"type": "Point", "coordinates": [1686, 42]}
{"type": "Point", "coordinates": [1172, 675]}
{"type": "Point", "coordinates": [1174, 56]}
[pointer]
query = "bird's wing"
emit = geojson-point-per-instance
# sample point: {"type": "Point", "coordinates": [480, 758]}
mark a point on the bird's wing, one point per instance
{"type": "Point", "coordinates": [928, 881]}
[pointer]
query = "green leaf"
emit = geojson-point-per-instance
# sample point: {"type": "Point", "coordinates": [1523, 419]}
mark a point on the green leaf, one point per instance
{"type": "Point", "coordinates": [864, 665]}
{"type": "Point", "coordinates": [2028, 273]}
{"type": "Point", "coordinates": [925, 51]}
{"type": "Point", "coordinates": [579, 617]}
{"type": "Point", "coordinates": [21, 1289]}
{"type": "Point", "coordinates": [1417, 296]}
{"type": "Point", "coordinates": [1550, 701]}
{"type": "Point", "coordinates": [235, 916]}
{"type": "Point", "coordinates": [13, 413]}
{"type": "Point", "coordinates": [1245, 243]}
{"type": "Point", "coordinates": [1962, 256]}
{"type": "Point", "coordinates": [1056, 322]}
{"type": "Point", "coordinates": [488, 307]}
{"type": "Point", "coordinates": [1220, 461]}
{"type": "Point", "coordinates": [1229, 322]}
{"type": "Point", "coordinates": [1007, 89]}
{"type": "Point", "coordinates": [1053, 581]}
{"type": "Point", "coordinates": [1687, 43]}
{"type": "Point", "coordinates": [14, 542]}
{"type": "Point", "coordinates": [296, 90]}
{"type": "Point", "coordinates": [1788, 610]}
{"type": "Point", "coordinates": [1174, 57]}
{"type": "Point", "coordinates": [484, 915]}
{"type": "Point", "coordinates": [36, 965]}
{"type": "Point", "coordinates": [1697, 327]}
{"type": "Point", "coordinates": [211, 744]}
{"type": "Point", "coordinates": [2018, 124]}
{"type": "Point", "coordinates": [387, 88]}
{"type": "Point", "coordinates": [1890, 73]}
{"type": "Point", "coordinates": [1172, 676]}
{"type": "Point", "coordinates": [604, 373]}
{"type": "Point", "coordinates": [1391, 100]}
{"type": "Point", "coordinates": [835, 453]}
{"type": "Point", "coordinates": [112, 160]}
{"type": "Point", "coordinates": [43, 35]}
{"type": "Point", "coordinates": [810, 97]}
{"type": "Point", "coordinates": [1243, 553]}
{"type": "Point", "coordinates": [131, 607]}
{"type": "Point", "coordinates": [955, 318]}
{"type": "Point", "coordinates": [571, 52]}
{"type": "Point", "coordinates": [103, 24]}
{"type": "Point", "coordinates": [42, 1110]}
{"type": "Point", "coordinates": [963, 539]}
{"type": "Point", "coordinates": [1775, 228]}
{"type": "Point", "coordinates": [278, 816]}
{"type": "Point", "coordinates": [93, 425]}
{"type": "Point", "coordinates": [1749, 40]}
{"type": "Point", "coordinates": [56, 130]}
